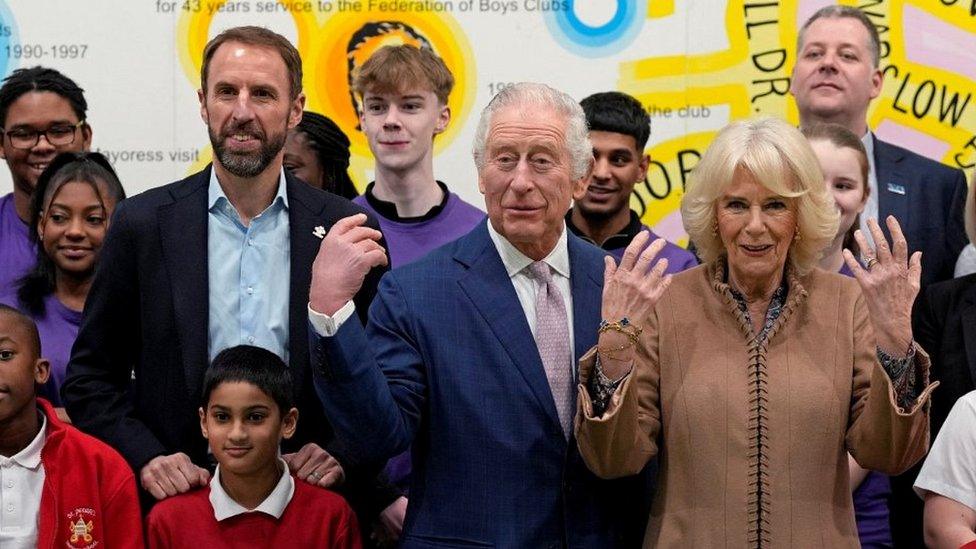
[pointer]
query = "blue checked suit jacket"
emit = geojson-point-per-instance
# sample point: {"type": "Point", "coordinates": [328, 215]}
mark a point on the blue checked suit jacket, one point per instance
{"type": "Point", "coordinates": [448, 364]}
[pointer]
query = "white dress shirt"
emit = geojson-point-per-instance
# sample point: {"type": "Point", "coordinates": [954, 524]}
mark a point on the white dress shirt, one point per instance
{"type": "Point", "coordinates": [225, 507]}
{"type": "Point", "coordinates": [516, 264]}
{"type": "Point", "coordinates": [871, 206]}
{"type": "Point", "coordinates": [21, 484]}
{"type": "Point", "coordinates": [527, 288]}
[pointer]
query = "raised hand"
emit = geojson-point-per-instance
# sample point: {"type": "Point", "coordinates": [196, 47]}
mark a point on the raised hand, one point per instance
{"type": "Point", "coordinates": [346, 255]}
{"type": "Point", "coordinates": [890, 281]}
{"type": "Point", "coordinates": [631, 290]}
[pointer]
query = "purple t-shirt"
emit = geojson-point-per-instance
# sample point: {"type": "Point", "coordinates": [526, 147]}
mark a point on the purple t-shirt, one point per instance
{"type": "Point", "coordinates": [58, 328]}
{"type": "Point", "coordinates": [871, 499]}
{"type": "Point", "coordinates": [16, 249]}
{"type": "Point", "coordinates": [679, 259]}
{"type": "Point", "coordinates": [408, 242]}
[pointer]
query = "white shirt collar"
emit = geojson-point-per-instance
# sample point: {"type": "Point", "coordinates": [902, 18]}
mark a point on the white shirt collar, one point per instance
{"type": "Point", "coordinates": [215, 192]}
{"type": "Point", "coordinates": [224, 507]}
{"type": "Point", "coordinates": [515, 261]}
{"type": "Point", "coordinates": [868, 141]}
{"type": "Point", "coordinates": [30, 456]}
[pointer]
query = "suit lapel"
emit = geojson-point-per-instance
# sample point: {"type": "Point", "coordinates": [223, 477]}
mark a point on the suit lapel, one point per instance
{"type": "Point", "coordinates": [587, 284]}
{"type": "Point", "coordinates": [488, 286]}
{"type": "Point", "coordinates": [183, 237]}
{"type": "Point", "coordinates": [304, 214]}
{"type": "Point", "coordinates": [586, 281]}
{"type": "Point", "coordinates": [969, 330]}
{"type": "Point", "coordinates": [891, 180]}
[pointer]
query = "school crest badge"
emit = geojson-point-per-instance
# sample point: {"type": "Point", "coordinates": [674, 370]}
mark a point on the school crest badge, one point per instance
{"type": "Point", "coordinates": [81, 529]}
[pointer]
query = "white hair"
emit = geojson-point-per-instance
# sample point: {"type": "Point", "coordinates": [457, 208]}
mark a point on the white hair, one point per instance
{"type": "Point", "coordinates": [578, 145]}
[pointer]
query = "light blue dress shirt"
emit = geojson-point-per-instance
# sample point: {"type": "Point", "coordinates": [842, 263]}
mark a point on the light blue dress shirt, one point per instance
{"type": "Point", "coordinates": [249, 270]}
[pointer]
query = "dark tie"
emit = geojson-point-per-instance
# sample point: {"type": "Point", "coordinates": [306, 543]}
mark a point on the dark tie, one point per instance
{"type": "Point", "coordinates": [552, 339]}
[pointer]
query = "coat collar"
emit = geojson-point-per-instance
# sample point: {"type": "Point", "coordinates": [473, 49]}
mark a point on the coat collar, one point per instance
{"type": "Point", "coordinates": [890, 174]}
{"type": "Point", "coordinates": [717, 273]}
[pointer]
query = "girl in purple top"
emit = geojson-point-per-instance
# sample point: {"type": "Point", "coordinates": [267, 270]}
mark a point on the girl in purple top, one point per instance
{"type": "Point", "coordinates": [70, 211]}
{"type": "Point", "coordinates": [844, 163]}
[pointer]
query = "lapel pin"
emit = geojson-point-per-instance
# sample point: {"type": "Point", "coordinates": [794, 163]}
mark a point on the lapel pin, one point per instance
{"type": "Point", "coordinates": [319, 231]}
{"type": "Point", "coordinates": [897, 189]}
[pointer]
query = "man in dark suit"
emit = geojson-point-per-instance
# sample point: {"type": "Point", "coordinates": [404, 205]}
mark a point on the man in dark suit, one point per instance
{"type": "Point", "coordinates": [469, 354]}
{"type": "Point", "coordinates": [834, 80]}
{"type": "Point", "coordinates": [218, 259]}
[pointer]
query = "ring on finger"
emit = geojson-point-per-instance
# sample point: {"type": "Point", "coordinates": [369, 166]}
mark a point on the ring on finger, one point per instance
{"type": "Point", "coordinates": [315, 475]}
{"type": "Point", "coordinates": [871, 262]}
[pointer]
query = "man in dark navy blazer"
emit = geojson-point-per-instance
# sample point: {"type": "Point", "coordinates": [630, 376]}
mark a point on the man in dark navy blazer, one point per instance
{"type": "Point", "coordinates": [459, 357]}
{"type": "Point", "coordinates": [218, 259]}
{"type": "Point", "coordinates": [834, 80]}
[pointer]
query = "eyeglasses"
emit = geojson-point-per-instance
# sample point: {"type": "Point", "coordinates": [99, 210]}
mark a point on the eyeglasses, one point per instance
{"type": "Point", "coordinates": [58, 135]}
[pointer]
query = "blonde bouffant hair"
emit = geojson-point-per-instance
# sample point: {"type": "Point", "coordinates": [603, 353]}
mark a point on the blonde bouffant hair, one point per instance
{"type": "Point", "coordinates": [779, 158]}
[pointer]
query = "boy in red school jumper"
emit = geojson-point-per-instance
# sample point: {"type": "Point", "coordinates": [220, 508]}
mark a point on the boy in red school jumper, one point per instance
{"type": "Point", "coordinates": [252, 500]}
{"type": "Point", "coordinates": [60, 488]}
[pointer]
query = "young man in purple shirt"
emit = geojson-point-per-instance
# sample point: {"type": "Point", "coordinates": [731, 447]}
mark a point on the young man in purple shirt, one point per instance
{"type": "Point", "coordinates": [42, 113]}
{"type": "Point", "coordinates": [619, 129]}
{"type": "Point", "coordinates": [404, 93]}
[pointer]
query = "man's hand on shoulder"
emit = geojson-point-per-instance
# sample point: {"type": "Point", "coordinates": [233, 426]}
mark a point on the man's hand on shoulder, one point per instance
{"type": "Point", "coordinates": [345, 257]}
{"type": "Point", "coordinates": [315, 466]}
{"type": "Point", "coordinates": [166, 476]}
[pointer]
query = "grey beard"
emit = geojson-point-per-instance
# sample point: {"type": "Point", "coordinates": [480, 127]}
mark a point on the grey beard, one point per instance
{"type": "Point", "coordinates": [249, 165]}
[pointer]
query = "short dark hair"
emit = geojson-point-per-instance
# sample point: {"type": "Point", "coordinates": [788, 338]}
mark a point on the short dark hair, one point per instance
{"type": "Point", "coordinates": [91, 168]}
{"type": "Point", "coordinates": [256, 36]}
{"type": "Point", "coordinates": [41, 79]}
{"type": "Point", "coordinates": [845, 12]}
{"type": "Point", "coordinates": [26, 322]}
{"type": "Point", "coordinates": [254, 365]}
{"type": "Point", "coordinates": [618, 112]}
{"type": "Point", "coordinates": [331, 146]}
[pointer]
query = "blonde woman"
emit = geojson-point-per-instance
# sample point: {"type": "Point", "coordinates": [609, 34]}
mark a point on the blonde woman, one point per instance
{"type": "Point", "coordinates": [753, 375]}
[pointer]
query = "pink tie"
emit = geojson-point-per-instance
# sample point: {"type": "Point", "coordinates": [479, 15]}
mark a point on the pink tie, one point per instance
{"type": "Point", "coordinates": [552, 339]}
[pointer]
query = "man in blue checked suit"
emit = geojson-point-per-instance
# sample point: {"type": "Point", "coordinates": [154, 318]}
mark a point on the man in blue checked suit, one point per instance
{"type": "Point", "coordinates": [469, 354]}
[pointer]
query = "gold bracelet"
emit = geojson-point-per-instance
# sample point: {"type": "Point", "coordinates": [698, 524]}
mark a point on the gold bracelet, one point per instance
{"type": "Point", "coordinates": [623, 326]}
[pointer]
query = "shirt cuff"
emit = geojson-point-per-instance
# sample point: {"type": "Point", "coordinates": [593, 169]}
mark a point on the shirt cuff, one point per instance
{"type": "Point", "coordinates": [904, 376]}
{"type": "Point", "coordinates": [602, 388]}
{"type": "Point", "coordinates": [327, 326]}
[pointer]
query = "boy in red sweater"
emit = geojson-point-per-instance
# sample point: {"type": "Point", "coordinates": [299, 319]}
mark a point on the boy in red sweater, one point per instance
{"type": "Point", "coordinates": [252, 500]}
{"type": "Point", "coordinates": [60, 487]}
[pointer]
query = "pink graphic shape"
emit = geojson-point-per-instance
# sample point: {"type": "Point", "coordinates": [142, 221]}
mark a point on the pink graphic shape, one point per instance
{"type": "Point", "coordinates": [670, 227]}
{"type": "Point", "coordinates": [938, 44]}
{"type": "Point", "coordinates": [912, 139]}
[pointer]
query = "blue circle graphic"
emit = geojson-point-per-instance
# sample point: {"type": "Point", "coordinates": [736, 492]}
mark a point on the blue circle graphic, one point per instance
{"type": "Point", "coordinates": [596, 41]}
{"type": "Point", "coordinates": [8, 37]}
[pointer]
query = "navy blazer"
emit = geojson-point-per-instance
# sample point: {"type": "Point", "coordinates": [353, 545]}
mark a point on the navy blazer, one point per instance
{"type": "Point", "coordinates": [448, 364]}
{"type": "Point", "coordinates": [927, 198]}
{"type": "Point", "coordinates": [147, 316]}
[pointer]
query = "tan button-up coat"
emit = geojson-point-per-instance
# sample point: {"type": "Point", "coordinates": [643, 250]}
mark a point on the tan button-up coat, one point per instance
{"type": "Point", "coordinates": [753, 437]}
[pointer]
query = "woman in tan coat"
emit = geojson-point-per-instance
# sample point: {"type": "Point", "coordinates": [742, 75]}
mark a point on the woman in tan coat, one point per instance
{"type": "Point", "coordinates": [753, 375]}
